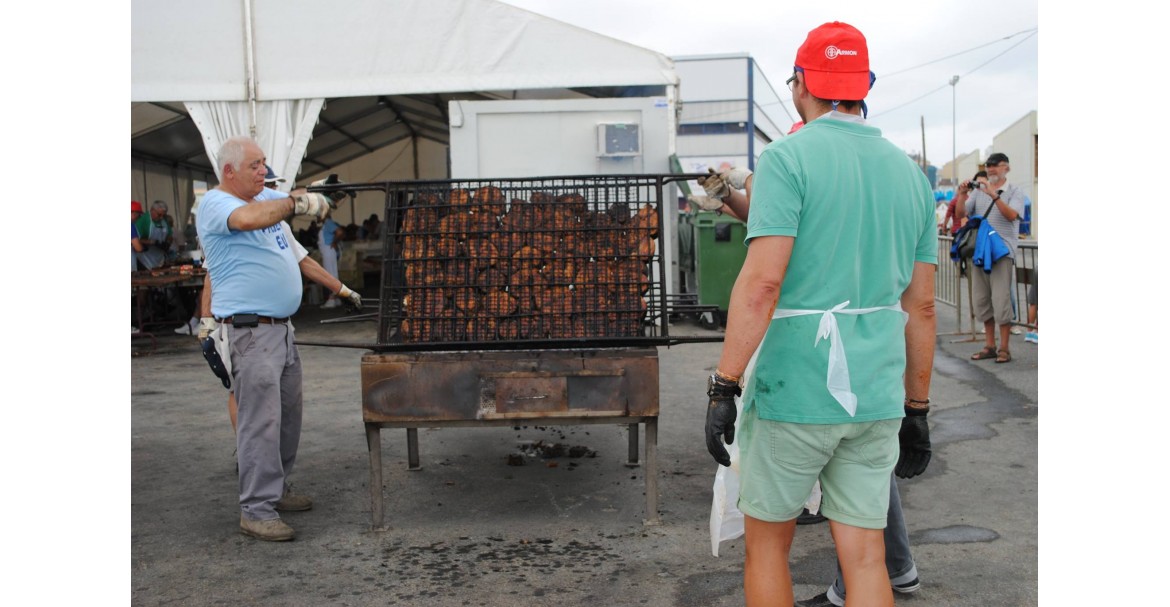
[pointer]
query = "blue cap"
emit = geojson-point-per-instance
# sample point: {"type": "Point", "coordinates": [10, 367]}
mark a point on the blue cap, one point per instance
{"type": "Point", "coordinates": [271, 176]}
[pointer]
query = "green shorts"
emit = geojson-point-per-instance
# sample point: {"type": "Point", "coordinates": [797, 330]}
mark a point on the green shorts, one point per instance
{"type": "Point", "coordinates": [780, 462]}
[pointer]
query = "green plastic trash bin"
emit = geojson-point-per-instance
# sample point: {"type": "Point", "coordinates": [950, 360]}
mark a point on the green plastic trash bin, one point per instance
{"type": "Point", "coordinates": [719, 253]}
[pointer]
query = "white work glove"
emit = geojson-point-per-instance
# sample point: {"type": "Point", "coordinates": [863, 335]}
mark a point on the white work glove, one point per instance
{"type": "Point", "coordinates": [352, 297]}
{"type": "Point", "coordinates": [715, 185]}
{"type": "Point", "coordinates": [315, 205]}
{"type": "Point", "coordinates": [207, 326]}
{"type": "Point", "coordinates": [706, 203]}
{"type": "Point", "coordinates": [736, 178]}
{"type": "Point", "coordinates": [336, 196]}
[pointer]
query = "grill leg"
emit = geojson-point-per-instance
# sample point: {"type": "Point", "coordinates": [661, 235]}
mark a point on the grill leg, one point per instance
{"type": "Point", "coordinates": [632, 462]}
{"type": "Point", "coordinates": [412, 449]}
{"type": "Point", "coordinates": [652, 473]}
{"type": "Point", "coordinates": [374, 443]}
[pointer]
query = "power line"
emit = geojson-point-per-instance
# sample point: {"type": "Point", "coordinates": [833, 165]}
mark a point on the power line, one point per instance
{"type": "Point", "coordinates": [972, 71]}
{"type": "Point", "coordinates": [1031, 31]}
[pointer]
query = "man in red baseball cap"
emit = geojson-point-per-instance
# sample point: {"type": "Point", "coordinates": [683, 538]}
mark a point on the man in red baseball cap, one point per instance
{"type": "Point", "coordinates": [842, 246]}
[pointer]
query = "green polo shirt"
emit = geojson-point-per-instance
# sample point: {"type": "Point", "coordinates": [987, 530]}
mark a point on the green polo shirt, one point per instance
{"type": "Point", "coordinates": [862, 213]}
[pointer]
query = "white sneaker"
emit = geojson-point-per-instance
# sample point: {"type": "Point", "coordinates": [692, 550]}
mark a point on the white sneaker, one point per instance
{"type": "Point", "coordinates": [191, 328]}
{"type": "Point", "coordinates": [1016, 331]}
{"type": "Point", "coordinates": [331, 303]}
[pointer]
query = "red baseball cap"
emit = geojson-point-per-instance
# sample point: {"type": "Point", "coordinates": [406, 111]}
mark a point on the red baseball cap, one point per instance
{"type": "Point", "coordinates": [835, 62]}
{"type": "Point", "coordinates": [135, 206]}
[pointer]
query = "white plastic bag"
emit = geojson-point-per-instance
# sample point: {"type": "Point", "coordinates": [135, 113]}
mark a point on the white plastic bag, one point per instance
{"type": "Point", "coordinates": [726, 519]}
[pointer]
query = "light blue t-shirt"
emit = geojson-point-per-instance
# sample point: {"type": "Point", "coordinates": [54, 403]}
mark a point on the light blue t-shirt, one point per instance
{"type": "Point", "coordinates": [861, 213]}
{"type": "Point", "coordinates": [328, 230]}
{"type": "Point", "coordinates": [253, 271]}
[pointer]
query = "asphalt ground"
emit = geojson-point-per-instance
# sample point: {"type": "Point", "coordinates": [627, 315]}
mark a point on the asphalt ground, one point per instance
{"type": "Point", "coordinates": [470, 529]}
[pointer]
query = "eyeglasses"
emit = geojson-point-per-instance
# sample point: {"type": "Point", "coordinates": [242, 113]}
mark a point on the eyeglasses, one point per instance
{"type": "Point", "coordinates": [791, 81]}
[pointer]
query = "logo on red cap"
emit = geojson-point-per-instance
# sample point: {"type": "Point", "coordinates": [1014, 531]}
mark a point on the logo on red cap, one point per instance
{"type": "Point", "coordinates": [835, 62]}
{"type": "Point", "coordinates": [831, 52]}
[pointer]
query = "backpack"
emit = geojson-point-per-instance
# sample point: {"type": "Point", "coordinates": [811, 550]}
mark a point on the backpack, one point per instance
{"type": "Point", "coordinates": [963, 246]}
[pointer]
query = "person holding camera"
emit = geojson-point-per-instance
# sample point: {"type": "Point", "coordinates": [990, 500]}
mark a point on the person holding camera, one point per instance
{"type": "Point", "coordinates": [951, 224]}
{"type": "Point", "coordinates": [256, 287]}
{"type": "Point", "coordinates": [1000, 203]}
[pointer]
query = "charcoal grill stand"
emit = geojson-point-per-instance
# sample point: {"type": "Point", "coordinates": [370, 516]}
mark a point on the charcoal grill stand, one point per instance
{"type": "Point", "coordinates": [484, 388]}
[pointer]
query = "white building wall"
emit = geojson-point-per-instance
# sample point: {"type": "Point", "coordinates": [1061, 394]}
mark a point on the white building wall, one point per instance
{"type": "Point", "coordinates": [712, 145]}
{"type": "Point", "coordinates": [540, 138]}
{"type": "Point", "coordinates": [727, 110]}
{"type": "Point", "coordinates": [545, 138]}
{"type": "Point", "coordinates": [712, 77]}
{"type": "Point", "coordinates": [1019, 142]}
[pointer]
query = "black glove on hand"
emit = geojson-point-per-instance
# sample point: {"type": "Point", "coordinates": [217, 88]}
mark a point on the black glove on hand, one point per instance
{"type": "Point", "coordinates": [914, 440]}
{"type": "Point", "coordinates": [215, 362]}
{"type": "Point", "coordinates": [721, 417]}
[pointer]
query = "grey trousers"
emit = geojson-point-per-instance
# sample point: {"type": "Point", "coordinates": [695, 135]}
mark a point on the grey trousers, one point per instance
{"type": "Point", "coordinates": [266, 374]}
{"type": "Point", "coordinates": [899, 562]}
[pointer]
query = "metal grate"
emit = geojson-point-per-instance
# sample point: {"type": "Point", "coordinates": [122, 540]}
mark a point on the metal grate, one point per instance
{"type": "Point", "coordinates": [522, 263]}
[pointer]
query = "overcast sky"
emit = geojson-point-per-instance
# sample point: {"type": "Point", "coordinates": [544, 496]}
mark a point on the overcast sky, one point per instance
{"type": "Point", "coordinates": [915, 48]}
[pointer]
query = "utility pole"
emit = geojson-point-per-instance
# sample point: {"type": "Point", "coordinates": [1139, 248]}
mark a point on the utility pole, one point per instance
{"type": "Point", "coordinates": [922, 127]}
{"type": "Point", "coordinates": [954, 154]}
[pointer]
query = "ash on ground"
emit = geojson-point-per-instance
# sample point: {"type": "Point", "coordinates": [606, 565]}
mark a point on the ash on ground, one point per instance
{"type": "Point", "coordinates": [546, 450]}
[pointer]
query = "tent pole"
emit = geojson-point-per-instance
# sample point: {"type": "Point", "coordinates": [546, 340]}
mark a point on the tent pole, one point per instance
{"type": "Point", "coordinates": [414, 147]}
{"type": "Point", "coordinates": [250, 63]}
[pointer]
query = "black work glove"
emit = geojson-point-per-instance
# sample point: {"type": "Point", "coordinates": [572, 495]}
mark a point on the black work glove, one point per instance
{"type": "Point", "coordinates": [336, 195]}
{"type": "Point", "coordinates": [720, 417]}
{"type": "Point", "coordinates": [215, 362]}
{"type": "Point", "coordinates": [914, 441]}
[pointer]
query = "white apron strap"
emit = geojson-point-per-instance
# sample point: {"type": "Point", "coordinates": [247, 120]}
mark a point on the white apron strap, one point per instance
{"type": "Point", "coordinates": [837, 376]}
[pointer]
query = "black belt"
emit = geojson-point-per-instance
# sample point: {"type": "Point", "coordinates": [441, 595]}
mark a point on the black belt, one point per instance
{"type": "Point", "coordinates": [268, 320]}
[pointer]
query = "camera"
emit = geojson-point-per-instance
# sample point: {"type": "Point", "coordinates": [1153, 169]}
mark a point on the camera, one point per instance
{"type": "Point", "coordinates": [974, 185]}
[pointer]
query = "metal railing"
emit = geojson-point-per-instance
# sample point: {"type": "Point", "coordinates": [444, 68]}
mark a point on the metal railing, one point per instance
{"type": "Point", "coordinates": [953, 287]}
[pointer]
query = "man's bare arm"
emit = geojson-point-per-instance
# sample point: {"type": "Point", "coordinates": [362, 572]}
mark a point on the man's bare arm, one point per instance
{"type": "Point", "coordinates": [753, 300]}
{"type": "Point", "coordinates": [316, 273]}
{"type": "Point", "coordinates": [205, 296]}
{"type": "Point", "coordinates": [263, 214]}
{"type": "Point", "coordinates": [918, 302]}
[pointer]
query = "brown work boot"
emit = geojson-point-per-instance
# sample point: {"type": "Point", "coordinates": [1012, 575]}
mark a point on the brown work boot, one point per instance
{"type": "Point", "coordinates": [291, 502]}
{"type": "Point", "coordinates": [271, 530]}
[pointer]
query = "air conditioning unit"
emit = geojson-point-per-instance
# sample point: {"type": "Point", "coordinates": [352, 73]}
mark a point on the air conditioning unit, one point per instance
{"type": "Point", "coordinates": [618, 139]}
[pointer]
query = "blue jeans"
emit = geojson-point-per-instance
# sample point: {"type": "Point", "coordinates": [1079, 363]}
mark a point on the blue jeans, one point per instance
{"type": "Point", "coordinates": [899, 562]}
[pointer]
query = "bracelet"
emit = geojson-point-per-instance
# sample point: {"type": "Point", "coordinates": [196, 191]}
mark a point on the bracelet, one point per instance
{"type": "Point", "coordinates": [726, 377]}
{"type": "Point", "coordinates": [914, 406]}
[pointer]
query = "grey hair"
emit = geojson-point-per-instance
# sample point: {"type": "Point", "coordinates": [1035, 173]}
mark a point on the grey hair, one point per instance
{"type": "Point", "coordinates": [232, 151]}
{"type": "Point", "coordinates": [158, 204]}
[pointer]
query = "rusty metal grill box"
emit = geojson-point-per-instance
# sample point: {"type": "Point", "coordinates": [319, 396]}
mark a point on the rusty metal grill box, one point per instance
{"type": "Point", "coordinates": [522, 263]}
{"type": "Point", "coordinates": [514, 299]}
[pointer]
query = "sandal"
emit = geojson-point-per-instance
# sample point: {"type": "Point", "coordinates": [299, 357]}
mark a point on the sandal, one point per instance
{"type": "Point", "coordinates": [1003, 356]}
{"type": "Point", "coordinates": [984, 354]}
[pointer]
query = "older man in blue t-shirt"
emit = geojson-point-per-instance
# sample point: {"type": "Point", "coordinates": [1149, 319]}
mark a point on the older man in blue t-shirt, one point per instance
{"type": "Point", "coordinates": [256, 287]}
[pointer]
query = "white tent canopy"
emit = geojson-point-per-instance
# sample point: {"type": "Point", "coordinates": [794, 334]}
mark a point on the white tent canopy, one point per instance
{"type": "Point", "coordinates": [315, 48]}
{"type": "Point", "coordinates": [385, 69]}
